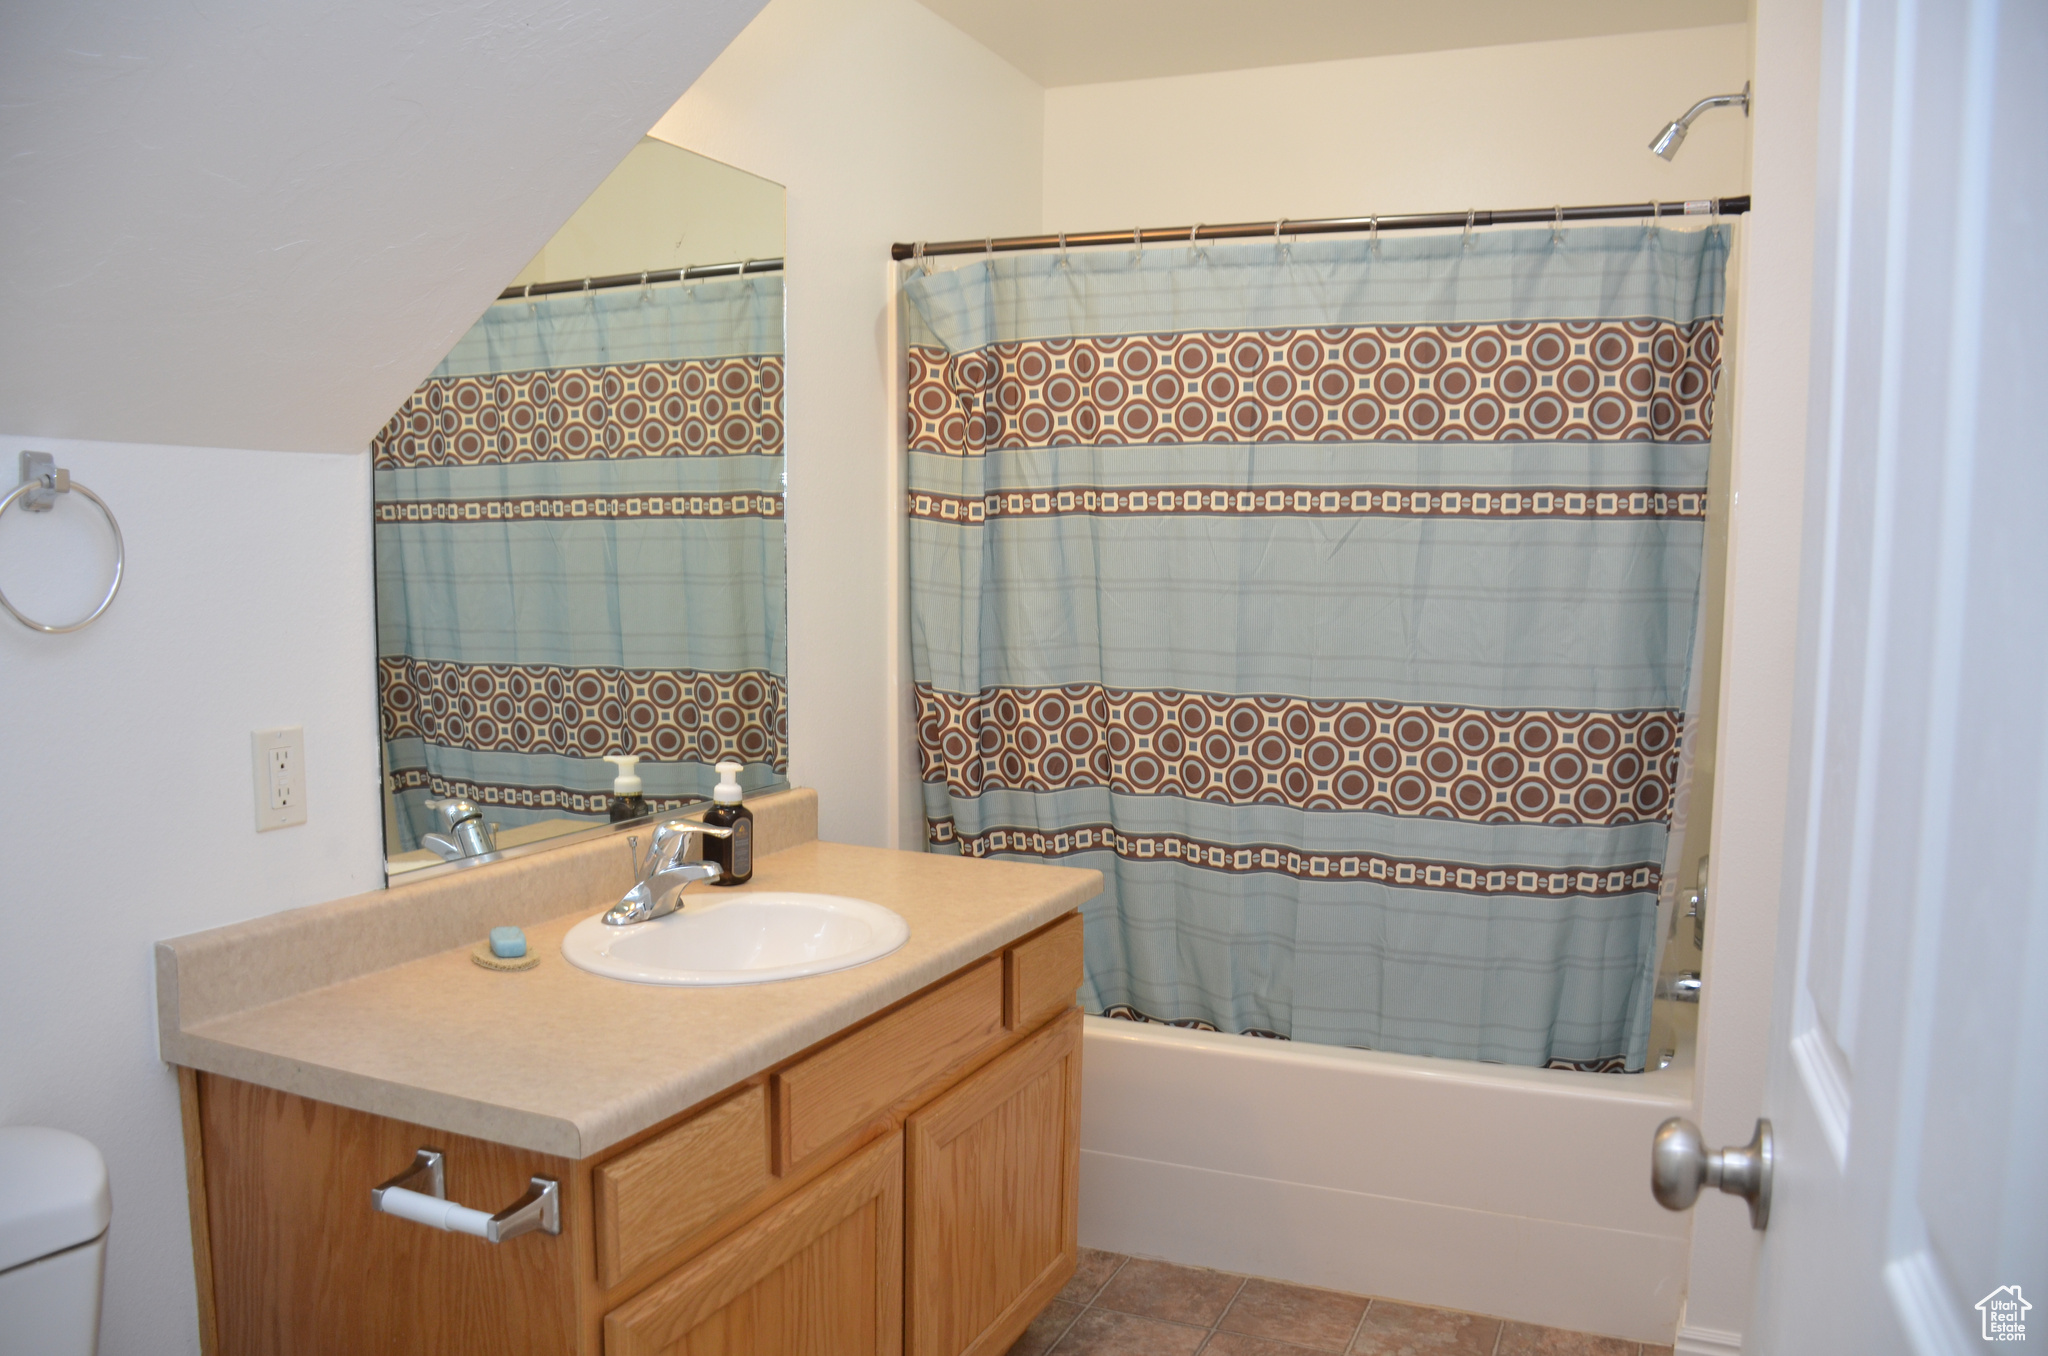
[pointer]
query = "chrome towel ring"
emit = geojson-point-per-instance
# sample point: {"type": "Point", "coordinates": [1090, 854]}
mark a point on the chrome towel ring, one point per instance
{"type": "Point", "coordinates": [42, 480]}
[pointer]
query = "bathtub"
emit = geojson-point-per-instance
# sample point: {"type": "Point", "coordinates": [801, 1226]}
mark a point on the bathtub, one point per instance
{"type": "Point", "coordinates": [1518, 1192]}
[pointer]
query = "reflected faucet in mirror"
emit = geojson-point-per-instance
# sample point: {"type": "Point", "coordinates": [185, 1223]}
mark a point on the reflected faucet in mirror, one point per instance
{"type": "Point", "coordinates": [664, 875]}
{"type": "Point", "coordinates": [466, 833]}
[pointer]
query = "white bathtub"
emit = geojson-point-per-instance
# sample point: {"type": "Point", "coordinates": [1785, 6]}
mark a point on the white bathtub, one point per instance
{"type": "Point", "coordinates": [1518, 1192]}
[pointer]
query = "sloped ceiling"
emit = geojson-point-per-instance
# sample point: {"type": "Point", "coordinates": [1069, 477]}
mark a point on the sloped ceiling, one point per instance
{"type": "Point", "coordinates": [259, 224]}
{"type": "Point", "coordinates": [1083, 42]}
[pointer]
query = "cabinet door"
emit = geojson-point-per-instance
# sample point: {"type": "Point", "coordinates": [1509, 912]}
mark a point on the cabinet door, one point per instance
{"type": "Point", "coordinates": [302, 1266]}
{"type": "Point", "coordinates": [820, 1274]}
{"type": "Point", "coordinates": [993, 1176]}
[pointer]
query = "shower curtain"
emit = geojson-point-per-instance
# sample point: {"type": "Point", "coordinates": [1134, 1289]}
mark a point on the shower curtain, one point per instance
{"type": "Point", "coordinates": [579, 552]}
{"type": "Point", "coordinates": [1334, 600]}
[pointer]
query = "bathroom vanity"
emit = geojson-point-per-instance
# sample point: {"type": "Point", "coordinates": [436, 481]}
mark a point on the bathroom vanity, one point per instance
{"type": "Point", "coordinates": [878, 1160]}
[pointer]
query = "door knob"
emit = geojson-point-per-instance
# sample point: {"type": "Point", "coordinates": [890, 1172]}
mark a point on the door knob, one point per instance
{"type": "Point", "coordinates": [1681, 1163]}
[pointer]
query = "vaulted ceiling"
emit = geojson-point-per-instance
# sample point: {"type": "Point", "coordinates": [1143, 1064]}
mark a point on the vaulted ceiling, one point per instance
{"type": "Point", "coordinates": [252, 224]}
{"type": "Point", "coordinates": [1081, 42]}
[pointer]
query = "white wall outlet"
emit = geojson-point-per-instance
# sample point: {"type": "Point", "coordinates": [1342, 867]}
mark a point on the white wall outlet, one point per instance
{"type": "Point", "coordinates": [280, 767]}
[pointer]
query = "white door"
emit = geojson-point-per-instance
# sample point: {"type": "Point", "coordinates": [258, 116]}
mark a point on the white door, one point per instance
{"type": "Point", "coordinates": [1909, 1086]}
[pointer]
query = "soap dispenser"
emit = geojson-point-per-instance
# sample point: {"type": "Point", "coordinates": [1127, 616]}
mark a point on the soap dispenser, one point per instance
{"type": "Point", "coordinates": [734, 854]}
{"type": "Point", "coordinates": [626, 801]}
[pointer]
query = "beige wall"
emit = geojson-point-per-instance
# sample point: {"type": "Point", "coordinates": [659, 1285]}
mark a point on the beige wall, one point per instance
{"type": "Point", "coordinates": [664, 207]}
{"type": "Point", "coordinates": [885, 123]}
{"type": "Point", "coordinates": [1521, 126]}
{"type": "Point", "coordinates": [1511, 126]}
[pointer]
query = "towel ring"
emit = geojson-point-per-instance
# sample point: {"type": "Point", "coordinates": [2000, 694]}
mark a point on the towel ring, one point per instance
{"type": "Point", "coordinates": [42, 480]}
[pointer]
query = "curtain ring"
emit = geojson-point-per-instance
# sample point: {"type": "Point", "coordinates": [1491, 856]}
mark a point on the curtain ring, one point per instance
{"type": "Point", "coordinates": [1374, 239]}
{"type": "Point", "coordinates": [1656, 211]}
{"type": "Point", "coordinates": [1557, 227]}
{"type": "Point", "coordinates": [528, 296]}
{"type": "Point", "coordinates": [1063, 249]}
{"type": "Point", "coordinates": [1193, 231]}
{"type": "Point", "coordinates": [1471, 215]}
{"type": "Point", "coordinates": [988, 247]}
{"type": "Point", "coordinates": [1138, 239]}
{"type": "Point", "coordinates": [917, 258]}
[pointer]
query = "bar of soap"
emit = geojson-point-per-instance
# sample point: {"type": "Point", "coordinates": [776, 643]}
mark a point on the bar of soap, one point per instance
{"type": "Point", "coordinates": [508, 943]}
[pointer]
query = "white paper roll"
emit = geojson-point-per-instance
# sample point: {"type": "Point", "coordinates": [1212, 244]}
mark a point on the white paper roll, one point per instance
{"type": "Point", "coordinates": [434, 1212]}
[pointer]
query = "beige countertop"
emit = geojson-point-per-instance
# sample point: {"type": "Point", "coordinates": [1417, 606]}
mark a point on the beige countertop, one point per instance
{"type": "Point", "coordinates": [555, 1059]}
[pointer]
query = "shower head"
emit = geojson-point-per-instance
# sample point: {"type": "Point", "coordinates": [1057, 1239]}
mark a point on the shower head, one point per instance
{"type": "Point", "coordinates": [1669, 140]}
{"type": "Point", "coordinates": [1672, 137]}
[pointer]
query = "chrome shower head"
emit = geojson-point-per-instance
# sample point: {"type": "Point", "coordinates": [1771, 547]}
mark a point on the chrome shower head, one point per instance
{"type": "Point", "coordinates": [1672, 137]}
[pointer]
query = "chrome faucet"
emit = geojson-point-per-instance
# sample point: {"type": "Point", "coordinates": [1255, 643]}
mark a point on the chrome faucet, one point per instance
{"type": "Point", "coordinates": [1683, 987]}
{"type": "Point", "coordinates": [664, 875]}
{"type": "Point", "coordinates": [467, 835]}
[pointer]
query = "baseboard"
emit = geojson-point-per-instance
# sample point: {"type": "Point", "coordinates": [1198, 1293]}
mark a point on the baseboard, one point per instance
{"type": "Point", "coordinates": [1707, 1342]}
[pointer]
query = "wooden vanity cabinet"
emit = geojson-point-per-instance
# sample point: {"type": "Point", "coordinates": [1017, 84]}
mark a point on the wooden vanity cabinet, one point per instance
{"type": "Point", "coordinates": [908, 1186]}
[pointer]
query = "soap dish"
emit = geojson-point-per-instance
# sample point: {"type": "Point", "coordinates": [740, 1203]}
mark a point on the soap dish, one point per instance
{"type": "Point", "coordinates": [481, 954]}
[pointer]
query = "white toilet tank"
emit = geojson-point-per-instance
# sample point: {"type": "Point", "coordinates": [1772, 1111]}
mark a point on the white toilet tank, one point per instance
{"type": "Point", "coordinates": [54, 1209]}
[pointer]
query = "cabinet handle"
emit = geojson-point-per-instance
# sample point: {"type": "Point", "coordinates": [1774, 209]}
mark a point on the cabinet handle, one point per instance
{"type": "Point", "coordinates": [420, 1194]}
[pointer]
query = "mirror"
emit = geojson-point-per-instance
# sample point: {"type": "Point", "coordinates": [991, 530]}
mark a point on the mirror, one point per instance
{"type": "Point", "coordinates": [579, 529]}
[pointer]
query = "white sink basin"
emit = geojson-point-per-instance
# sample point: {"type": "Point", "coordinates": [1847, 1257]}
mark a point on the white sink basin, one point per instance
{"type": "Point", "coordinates": [738, 939]}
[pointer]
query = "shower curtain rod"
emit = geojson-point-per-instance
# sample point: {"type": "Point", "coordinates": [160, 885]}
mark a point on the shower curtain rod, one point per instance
{"type": "Point", "coordinates": [659, 275]}
{"type": "Point", "coordinates": [1418, 221]}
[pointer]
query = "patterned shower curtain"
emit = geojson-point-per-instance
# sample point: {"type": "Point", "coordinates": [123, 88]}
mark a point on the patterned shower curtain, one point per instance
{"type": "Point", "coordinates": [579, 545]}
{"type": "Point", "coordinates": [1335, 601]}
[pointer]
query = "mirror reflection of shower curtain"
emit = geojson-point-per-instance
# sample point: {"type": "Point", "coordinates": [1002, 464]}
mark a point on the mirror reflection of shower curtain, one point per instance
{"type": "Point", "coordinates": [579, 546]}
{"type": "Point", "coordinates": [1335, 602]}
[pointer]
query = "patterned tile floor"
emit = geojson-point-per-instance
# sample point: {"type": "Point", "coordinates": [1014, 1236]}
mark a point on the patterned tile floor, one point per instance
{"type": "Point", "coordinates": [1127, 1306]}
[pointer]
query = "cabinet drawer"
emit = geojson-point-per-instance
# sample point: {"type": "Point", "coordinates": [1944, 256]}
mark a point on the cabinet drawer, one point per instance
{"type": "Point", "coordinates": [1042, 973]}
{"type": "Point", "coordinates": [823, 1096]}
{"type": "Point", "coordinates": [655, 1196]}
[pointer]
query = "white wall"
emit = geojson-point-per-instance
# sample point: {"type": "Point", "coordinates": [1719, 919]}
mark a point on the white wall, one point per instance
{"type": "Point", "coordinates": [1518, 126]}
{"type": "Point", "coordinates": [885, 123]}
{"type": "Point", "coordinates": [1760, 639]}
{"type": "Point", "coordinates": [664, 207]}
{"type": "Point", "coordinates": [236, 226]}
{"type": "Point", "coordinates": [127, 810]}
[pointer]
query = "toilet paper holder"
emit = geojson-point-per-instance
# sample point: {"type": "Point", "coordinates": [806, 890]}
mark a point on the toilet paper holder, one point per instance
{"type": "Point", "coordinates": [420, 1194]}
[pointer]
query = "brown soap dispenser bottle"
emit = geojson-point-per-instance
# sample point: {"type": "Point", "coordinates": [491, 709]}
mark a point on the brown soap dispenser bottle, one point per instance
{"type": "Point", "coordinates": [733, 854]}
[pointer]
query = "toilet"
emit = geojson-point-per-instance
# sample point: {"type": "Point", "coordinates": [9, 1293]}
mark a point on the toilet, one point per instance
{"type": "Point", "coordinates": [54, 1209]}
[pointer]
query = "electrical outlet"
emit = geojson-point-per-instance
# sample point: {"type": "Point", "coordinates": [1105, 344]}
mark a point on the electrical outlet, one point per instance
{"type": "Point", "coordinates": [279, 758]}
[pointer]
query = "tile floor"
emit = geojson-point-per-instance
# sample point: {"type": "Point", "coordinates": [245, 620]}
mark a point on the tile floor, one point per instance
{"type": "Point", "coordinates": [1127, 1306]}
